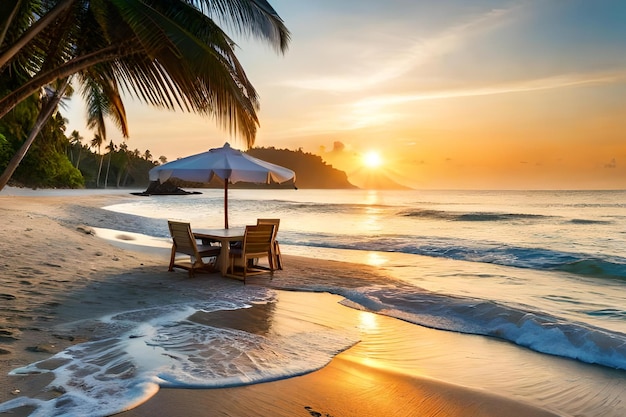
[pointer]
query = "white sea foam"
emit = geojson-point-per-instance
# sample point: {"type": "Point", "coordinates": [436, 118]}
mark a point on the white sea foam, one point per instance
{"type": "Point", "coordinates": [162, 347]}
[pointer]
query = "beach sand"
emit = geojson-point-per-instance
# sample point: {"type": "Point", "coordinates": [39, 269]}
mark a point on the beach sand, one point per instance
{"type": "Point", "coordinates": [55, 271]}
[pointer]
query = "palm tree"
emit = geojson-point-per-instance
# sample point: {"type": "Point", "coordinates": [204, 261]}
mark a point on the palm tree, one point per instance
{"type": "Point", "coordinates": [76, 140]}
{"type": "Point", "coordinates": [97, 142]}
{"type": "Point", "coordinates": [169, 54]}
{"type": "Point", "coordinates": [111, 147]}
{"type": "Point", "coordinates": [125, 167]}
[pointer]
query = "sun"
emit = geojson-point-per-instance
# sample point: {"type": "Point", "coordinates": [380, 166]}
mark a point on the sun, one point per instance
{"type": "Point", "coordinates": [372, 159]}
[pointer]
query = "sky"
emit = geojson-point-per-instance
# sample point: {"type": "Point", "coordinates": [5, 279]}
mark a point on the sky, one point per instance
{"type": "Point", "coordinates": [448, 94]}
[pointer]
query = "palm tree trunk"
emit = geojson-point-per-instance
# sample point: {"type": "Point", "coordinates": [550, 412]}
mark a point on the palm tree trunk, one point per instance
{"type": "Point", "coordinates": [126, 177]}
{"type": "Point", "coordinates": [119, 177]}
{"type": "Point", "coordinates": [99, 171]}
{"type": "Point", "coordinates": [78, 159]}
{"type": "Point", "coordinates": [106, 177]}
{"type": "Point", "coordinates": [44, 114]}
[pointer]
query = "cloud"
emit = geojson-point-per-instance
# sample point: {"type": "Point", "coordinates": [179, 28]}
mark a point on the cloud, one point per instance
{"type": "Point", "coordinates": [406, 57]}
{"type": "Point", "coordinates": [520, 86]}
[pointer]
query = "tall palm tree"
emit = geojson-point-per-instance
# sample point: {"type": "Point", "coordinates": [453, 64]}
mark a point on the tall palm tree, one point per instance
{"type": "Point", "coordinates": [167, 53]}
{"type": "Point", "coordinates": [76, 140]}
{"type": "Point", "coordinates": [97, 142]}
{"type": "Point", "coordinates": [125, 166]}
{"type": "Point", "coordinates": [111, 147]}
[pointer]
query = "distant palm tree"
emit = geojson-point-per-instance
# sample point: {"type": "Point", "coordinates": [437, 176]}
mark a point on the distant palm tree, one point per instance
{"type": "Point", "coordinates": [125, 168]}
{"type": "Point", "coordinates": [166, 53]}
{"type": "Point", "coordinates": [97, 142]}
{"type": "Point", "coordinates": [76, 140]}
{"type": "Point", "coordinates": [111, 148]}
{"type": "Point", "coordinates": [163, 159]}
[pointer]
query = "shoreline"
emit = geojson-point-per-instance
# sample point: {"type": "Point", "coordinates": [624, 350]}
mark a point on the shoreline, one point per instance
{"type": "Point", "coordinates": [56, 272]}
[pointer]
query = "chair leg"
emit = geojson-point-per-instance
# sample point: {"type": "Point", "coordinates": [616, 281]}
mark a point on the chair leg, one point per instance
{"type": "Point", "coordinates": [271, 258]}
{"type": "Point", "coordinates": [278, 257]}
{"type": "Point", "coordinates": [172, 258]}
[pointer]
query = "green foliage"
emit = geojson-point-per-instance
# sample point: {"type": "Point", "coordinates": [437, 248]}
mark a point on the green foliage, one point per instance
{"type": "Point", "coordinates": [52, 159]}
{"type": "Point", "coordinates": [17, 123]}
{"type": "Point", "coordinates": [45, 165]}
{"type": "Point", "coordinates": [48, 170]}
{"type": "Point", "coordinates": [6, 151]}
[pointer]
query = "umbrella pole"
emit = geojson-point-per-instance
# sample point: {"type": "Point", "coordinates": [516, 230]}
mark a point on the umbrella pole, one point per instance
{"type": "Point", "coordinates": [226, 203]}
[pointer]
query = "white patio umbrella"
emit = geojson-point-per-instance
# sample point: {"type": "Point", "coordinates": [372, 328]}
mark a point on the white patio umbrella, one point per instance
{"type": "Point", "coordinates": [228, 164]}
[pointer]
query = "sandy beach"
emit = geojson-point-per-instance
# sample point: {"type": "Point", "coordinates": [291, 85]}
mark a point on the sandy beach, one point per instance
{"type": "Point", "coordinates": [56, 273]}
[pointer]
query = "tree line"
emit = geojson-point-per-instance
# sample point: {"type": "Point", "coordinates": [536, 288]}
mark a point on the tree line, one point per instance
{"type": "Point", "coordinates": [57, 160]}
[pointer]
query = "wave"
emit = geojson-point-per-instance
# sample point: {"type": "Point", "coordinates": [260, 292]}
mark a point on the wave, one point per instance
{"type": "Point", "coordinates": [489, 217]}
{"type": "Point", "coordinates": [586, 221]}
{"type": "Point", "coordinates": [535, 330]}
{"type": "Point", "coordinates": [472, 251]}
{"type": "Point", "coordinates": [595, 267]}
{"type": "Point", "coordinates": [332, 208]}
{"type": "Point", "coordinates": [469, 217]}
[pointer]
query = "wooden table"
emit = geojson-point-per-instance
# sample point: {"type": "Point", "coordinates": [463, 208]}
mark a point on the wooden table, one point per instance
{"type": "Point", "coordinates": [225, 237]}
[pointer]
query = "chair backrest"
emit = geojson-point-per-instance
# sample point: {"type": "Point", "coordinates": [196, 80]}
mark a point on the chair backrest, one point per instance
{"type": "Point", "coordinates": [258, 239]}
{"type": "Point", "coordinates": [183, 237]}
{"type": "Point", "coordinates": [275, 222]}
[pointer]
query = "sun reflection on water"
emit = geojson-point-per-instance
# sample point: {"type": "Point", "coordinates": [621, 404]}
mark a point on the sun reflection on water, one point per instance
{"type": "Point", "coordinates": [368, 322]}
{"type": "Point", "coordinates": [372, 197]}
{"type": "Point", "coordinates": [376, 259]}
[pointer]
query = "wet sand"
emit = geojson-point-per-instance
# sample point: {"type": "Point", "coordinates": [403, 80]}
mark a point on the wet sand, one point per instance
{"type": "Point", "coordinates": [55, 271]}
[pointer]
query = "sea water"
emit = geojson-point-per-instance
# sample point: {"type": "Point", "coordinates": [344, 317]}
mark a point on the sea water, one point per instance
{"type": "Point", "coordinates": [543, 270]}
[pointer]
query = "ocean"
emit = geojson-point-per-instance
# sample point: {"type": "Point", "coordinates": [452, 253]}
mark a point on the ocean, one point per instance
{"type": "Point", "coordinates": [542, 272]}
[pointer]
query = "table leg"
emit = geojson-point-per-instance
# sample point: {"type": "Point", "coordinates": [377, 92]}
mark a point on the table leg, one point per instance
{"type": "Point", "coordinates": [224, 260]}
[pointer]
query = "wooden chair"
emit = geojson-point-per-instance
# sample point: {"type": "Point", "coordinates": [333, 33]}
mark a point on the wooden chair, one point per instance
{"type": "Point", "coordinates": [257, 243]}
{"type": "Point", "coordinates": [277, 257]}
{"type": "Point", "coordinates": [185, 243]}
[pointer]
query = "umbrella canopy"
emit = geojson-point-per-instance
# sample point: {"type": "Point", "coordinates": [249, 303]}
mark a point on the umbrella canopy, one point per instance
{"type": "Point", "coordinates": [228, 164]}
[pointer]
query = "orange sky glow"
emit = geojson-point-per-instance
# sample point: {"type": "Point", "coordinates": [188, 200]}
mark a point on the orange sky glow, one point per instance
{"type": "Point", "coordinates": [452, 95]}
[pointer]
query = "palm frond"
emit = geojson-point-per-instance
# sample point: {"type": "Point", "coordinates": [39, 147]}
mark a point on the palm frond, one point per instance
{"type": "Point", "coordinates": [193, 65]}
{"type": "Point", "coordinates": [168, 53]}
{"type": "Point", "coordinates": [248, 17]}
{"type": "Point", "coordinates": [101, 94]}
